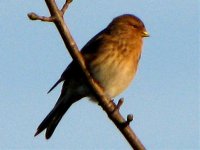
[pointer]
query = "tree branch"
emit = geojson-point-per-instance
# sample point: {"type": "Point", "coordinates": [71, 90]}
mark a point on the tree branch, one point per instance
{"type": "Point", "coordinates": [65, 6]}
{"type": "Point", "coordinates": [107, 104]}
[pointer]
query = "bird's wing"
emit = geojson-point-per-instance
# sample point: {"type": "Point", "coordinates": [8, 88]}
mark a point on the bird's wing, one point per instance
{"type": "Point", "coordinates": [65, 75]}
{"type": "Point", "coordinates": [90, 48]}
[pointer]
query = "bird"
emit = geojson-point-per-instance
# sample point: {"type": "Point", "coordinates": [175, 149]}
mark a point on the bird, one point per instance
{"type": "Point", "coordinates": [111, 57]}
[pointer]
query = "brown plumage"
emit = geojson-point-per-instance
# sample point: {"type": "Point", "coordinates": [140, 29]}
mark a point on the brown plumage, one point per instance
{"type": "Point", "coordinates": [112, 58]}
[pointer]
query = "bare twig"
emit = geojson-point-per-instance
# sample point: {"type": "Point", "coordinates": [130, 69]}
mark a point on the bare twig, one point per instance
{"type": "Point", "coordinates": [34, 16]}
{"type": "Point", "coordinates": [65, 6]}
{"type": "Point", "coordinates": [107, 104]}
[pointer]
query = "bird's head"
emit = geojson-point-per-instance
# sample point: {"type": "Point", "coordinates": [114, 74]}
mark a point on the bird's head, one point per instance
{"type": "Point", "coordinates": [130, 23]}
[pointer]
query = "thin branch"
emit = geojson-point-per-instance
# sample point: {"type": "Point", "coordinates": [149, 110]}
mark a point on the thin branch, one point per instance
{"type": "Point", "coordinates": [65, 6]}
{"type": "Point", "coordinates": [107, 104]}
{"type": "Point", "coordinates": [34, 16]}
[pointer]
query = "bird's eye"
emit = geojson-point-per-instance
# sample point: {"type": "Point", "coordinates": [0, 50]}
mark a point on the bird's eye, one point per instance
{"type": "Point", "coordinates": [134, 26]}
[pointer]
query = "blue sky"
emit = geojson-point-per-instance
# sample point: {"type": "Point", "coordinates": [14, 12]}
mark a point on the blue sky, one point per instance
{"type": "Point", "coordinates": [164, 97]}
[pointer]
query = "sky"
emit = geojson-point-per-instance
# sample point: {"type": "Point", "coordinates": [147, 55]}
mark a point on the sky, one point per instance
{"type": "Point", "coordinates": [164, 96]}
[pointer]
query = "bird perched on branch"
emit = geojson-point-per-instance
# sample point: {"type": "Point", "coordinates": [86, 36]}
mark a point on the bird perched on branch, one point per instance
{"type": "Point", "coordinates": [112, 58]}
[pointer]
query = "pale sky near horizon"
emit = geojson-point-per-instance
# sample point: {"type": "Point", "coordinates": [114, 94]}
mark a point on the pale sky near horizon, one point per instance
{"type": "Point", "coordinates": [164, 96]}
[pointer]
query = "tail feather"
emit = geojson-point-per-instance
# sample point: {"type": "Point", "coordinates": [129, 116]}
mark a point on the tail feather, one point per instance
{"type": "Point", "coordinates": [50, 129]}
{"type": "Point", "coordinates": [52, 119]}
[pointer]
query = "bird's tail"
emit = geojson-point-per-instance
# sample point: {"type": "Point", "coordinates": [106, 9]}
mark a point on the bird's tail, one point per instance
{"type": "Point", "coordinates": [53, 118]}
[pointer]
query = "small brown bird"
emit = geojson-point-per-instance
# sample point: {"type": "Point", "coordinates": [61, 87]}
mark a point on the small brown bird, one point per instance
{"type": "Point", "coordinates": [112, 58]}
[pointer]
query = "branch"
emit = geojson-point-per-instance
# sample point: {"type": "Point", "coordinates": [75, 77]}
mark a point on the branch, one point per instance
{"type": "Point", "coordinates": [65, 6]}
{"type": "Point", "coordinates": [107, 104]}
{"type": "Point", "coordinates": [34, 16]}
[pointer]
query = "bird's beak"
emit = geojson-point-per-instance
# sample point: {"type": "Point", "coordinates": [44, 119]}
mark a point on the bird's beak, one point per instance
{"type": "Point", "coordinates": [145, 34]}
